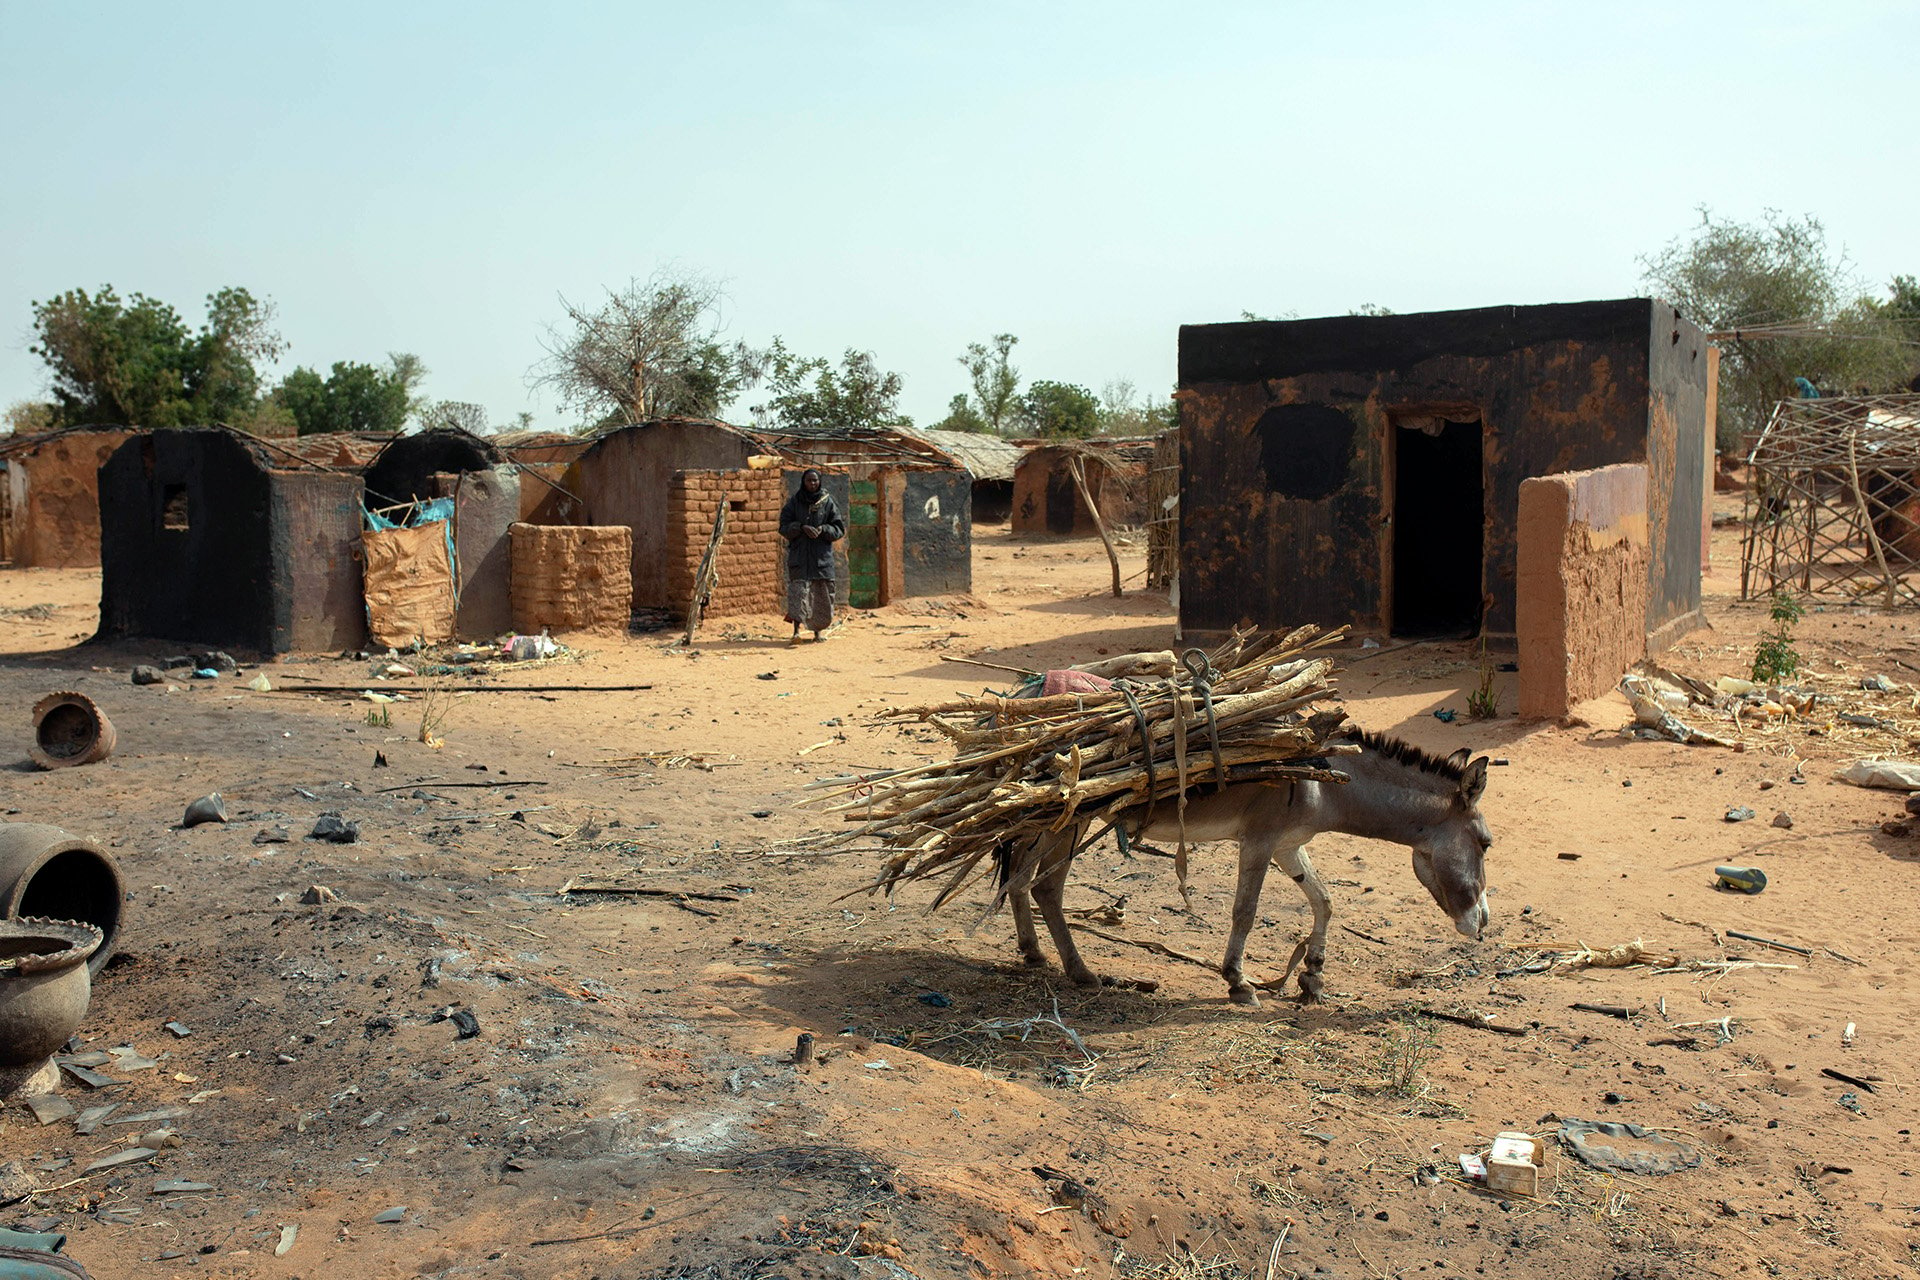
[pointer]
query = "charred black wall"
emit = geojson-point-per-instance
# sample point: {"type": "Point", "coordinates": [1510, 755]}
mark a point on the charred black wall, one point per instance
{"type": "Point", "coordinates": [186, 537]}
{"type": "Point", "coordinates": [938, 517]}
{"type": "Point", "coordinates": [1287, 439]}
{"type": "Point", "coordinates": [405, 468]}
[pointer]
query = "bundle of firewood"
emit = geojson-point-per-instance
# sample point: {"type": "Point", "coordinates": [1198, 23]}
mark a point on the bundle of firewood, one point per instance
{"type": "Point", "coordinates": [1025, 765]}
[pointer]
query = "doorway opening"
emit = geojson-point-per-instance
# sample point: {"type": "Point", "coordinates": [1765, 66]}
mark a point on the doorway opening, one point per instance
{"type": "Point", "coordinates": [1439, 513]}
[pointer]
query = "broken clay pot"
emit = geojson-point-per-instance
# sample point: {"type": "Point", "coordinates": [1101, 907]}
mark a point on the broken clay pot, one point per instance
{"type": "Point", "coordinates": [44, 985]}
{"type": "Point", "coordinates": [46, 872]}
{"type": "Point", "coordinates": [68, 729]}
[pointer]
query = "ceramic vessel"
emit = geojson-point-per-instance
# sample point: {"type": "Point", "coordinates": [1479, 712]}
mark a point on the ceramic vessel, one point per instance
{"type": "Point", "coordinates": [44, 986]}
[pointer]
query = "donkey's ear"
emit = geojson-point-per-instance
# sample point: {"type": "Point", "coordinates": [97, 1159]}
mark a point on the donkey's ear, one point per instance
{"type": "Point", "coordinates": [1474, 780]}
{"type": "Point", "coordinates": [1458, 760]}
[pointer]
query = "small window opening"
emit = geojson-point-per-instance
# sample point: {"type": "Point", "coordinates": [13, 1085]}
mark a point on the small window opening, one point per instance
{"type": "Point", "coordinates": [173, 514]}
{"type": "Point", "coordinates": [736, 504]}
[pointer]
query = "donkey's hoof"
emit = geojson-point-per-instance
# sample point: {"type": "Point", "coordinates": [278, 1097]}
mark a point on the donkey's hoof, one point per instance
{"type": "Point", "coordinates": [1033, 961]}
{"type": "Point", "coordinates": [1084, 978]}
{"type": "Point", "coordinates": [1312, 990]}
{"type": "Point", "coordinates": [1244, 995]}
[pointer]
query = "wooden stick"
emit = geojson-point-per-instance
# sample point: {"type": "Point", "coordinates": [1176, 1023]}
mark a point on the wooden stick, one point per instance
{"type": "Point", "coordinates": [1157, 948]}
{"type": "Point", "coordinates": [408, 786]}
{"type": "Point", "coordinates": [1079, 474]}
{"type": "Point", "coordinates": [975, 662]}
{"type": "Point", "coordinates": [1844, 1078]}
{"type": "Point", "coordinates": [1479, 1022]}
{"type": "Point", "coordinates": [708, 576]}
{"type": "Point", "coordinates": [1769, 942]}
{"type": "Point", "coordinates": [458, 689]}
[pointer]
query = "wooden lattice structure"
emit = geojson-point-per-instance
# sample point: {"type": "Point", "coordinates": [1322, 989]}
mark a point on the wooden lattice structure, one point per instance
{"type": "Point", "coordinates": [1833, 501]}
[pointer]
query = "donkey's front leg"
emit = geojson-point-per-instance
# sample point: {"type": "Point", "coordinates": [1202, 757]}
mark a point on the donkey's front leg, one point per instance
{"type": "Point", "coordinates": [1049, 892]}
{"type": "Point", "coordinates": [1300, 867]}
{"type": "Point", "coordinates": [1023, 931]}
{"type": "Point", "coordinates": [1246, 905]}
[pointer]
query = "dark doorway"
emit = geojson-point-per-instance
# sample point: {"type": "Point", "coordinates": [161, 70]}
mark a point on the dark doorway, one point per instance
{"type": "Point", "coordinates": [1063, 500]}
{"type": "Point", "coordinates": [1439, 509]}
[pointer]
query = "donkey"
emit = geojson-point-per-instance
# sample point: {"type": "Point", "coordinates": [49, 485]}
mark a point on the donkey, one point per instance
{"type": "Point", "coordinates": [1397, 793]}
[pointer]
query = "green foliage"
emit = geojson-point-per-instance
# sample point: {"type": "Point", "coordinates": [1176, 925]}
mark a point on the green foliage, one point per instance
{"type": "Point", "coordinates": [1735, 278]}
{"type": "Point", "coordinates": [454, 415]}
{"type": "Point", "coordinates": [1411, 1045]}
{"type": "Point", "coordinates": [1059, 410]}
{"type": "Point", "coordinates": [961, 416]}
{"type": "Point", "coordinates": [28, 417]}
{"type": "Point", "coordinates": [1124, 412]}
{"type": "Point", "coordinates": [1481, 703]}
{"type": "Point", "coordinates": [134, 362]}
{"type": "Point", "coordinates": [652, 350]}
{"type": "Point", "coordinates": [1775, 658]}
{"type": "Point", "coordinates": [996, 383]}
{"type": "Point", "coordinates": [353, 397]}
{"type": "Point", "coordinates": [810, 393]}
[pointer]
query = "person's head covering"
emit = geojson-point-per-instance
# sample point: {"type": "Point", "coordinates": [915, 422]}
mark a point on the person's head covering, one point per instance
{"type": "Point", "coordinates": [809, 474]}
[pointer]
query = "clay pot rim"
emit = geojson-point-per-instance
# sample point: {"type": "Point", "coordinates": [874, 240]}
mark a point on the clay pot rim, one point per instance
{"type": "Point", "coordinates": [82, 941]}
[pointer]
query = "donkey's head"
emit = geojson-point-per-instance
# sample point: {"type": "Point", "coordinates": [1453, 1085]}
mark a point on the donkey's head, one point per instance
{"type": "Point", "coordinates": [1450, 855]}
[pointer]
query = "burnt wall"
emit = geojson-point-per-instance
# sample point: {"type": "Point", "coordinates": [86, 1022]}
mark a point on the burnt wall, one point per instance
{"type": "Point", "coordinates": [186, 539]}
{"type": "Point", "coordinates": [937, 515]}
{"type": "Point", "coordinates": [1679, 458]}
{"type": "Point", "coordinates": [625, 477]}
{"type": "Point", "coordinates": [1287, 445]}
{"type": "Point", "coordinates": [405, 469]}
{"type": "Point", "coordinates": [319, 599]}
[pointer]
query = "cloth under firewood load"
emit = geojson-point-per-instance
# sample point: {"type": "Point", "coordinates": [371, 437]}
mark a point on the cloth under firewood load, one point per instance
{"type": "Point", "coordinates": [1040, 761]}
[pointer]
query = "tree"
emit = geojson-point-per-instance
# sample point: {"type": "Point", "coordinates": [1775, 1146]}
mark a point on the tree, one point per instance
{"type": "Point", "coordinates": [996, 383]}
{"type": "Point", "coordinates": [1059, 409]}
{"type": "Point", "coordinates": [454, 415]}
{"type": "Point", "coordinates": [1125, 412]}
{"type": "Point", "coordinates": [135, 362]}
{"type": "Point", "coordinates": [961, 416]}
{"type": "Point", "coordinates": [809, 393]}
{"type": "Point", "coordinates": [353, 397]}
{"type": "Point", "coordinates": [29, 417]}
{"type": "Point", "coordinates": [652, 350]}
{"type": "Point", "coordinates": [1781, 306]}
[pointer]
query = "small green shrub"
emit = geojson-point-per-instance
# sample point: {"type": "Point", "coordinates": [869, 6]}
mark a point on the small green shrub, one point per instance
{"type": "Point", "coordinates": [1775, 658]}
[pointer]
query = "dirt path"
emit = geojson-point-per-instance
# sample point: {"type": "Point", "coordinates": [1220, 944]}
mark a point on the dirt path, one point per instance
{"type": "Point", "coordinates": [627, 1094]}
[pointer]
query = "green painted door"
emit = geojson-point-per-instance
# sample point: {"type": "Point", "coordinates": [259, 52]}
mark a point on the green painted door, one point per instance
{"type": "Point", "coordinates": [863, 544]}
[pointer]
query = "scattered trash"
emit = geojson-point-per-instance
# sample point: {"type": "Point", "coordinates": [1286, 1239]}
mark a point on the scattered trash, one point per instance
{"type": "Point", "coordinates": [396, 670]}
{"type": "Point", "coordinates": [396, 1214]}
{"type": "Point", "coordinates": [1625, 1148]}
{"type": "Point", "coordinates": [1783, 820]}
{"type": "Point", "coordinates": [1851, 1101]}
{"type": "Point", "coordinates": [1734, 687]}
{"type": "Point", "coordinates": [768, 675]}
{"type": "Point", "coordinates": [1652, 718]}
{"type": "Point", "coordinates": [1740, 814]}
{"type": "Point", "coordinates": [935, 999]}
{"type": "Point", "coordinates": [174, 1186]}
{"type": "Point", "coordinates": [1846, 1037]}
{"type": "Point", "coordinates": [16, 1183]}
{"type": "Point", "coordinates": [335, 829]}
{"type": "Point", "coordinates": [48, 1107]}
{"type": "Point", "coordinates": [273, 835]}
{"type": "Point", "coordinates": [288, 1234]}
{"type": "Point", "coordinates": [318, 895]}
{"type": "Point", "coordinates": [1369, 642]}
{"type": "Point", "coordinates": [1769, 942]}
{"type": "Point", "coordinates": [216, 660]}
{"type": "Point", "coordinates": [1610, 1010]}
{"type": "Point", "coordinates": [178, 1029]}
{"type": "Point", "coordinates": [1741, 879]}
{"type": "Point", "coordinates": [208, 808]}
{"type": "Point", "coordinates": [878, 1064]}
{"type": "Point", "coordinates": [205, 673]}
{"type": "Point", "coordinates": [1569, 857]}
{"type": "Point", "coordinates": [1444, 715]}
{"type": "Point", "coordinates": [1878, 684]}
{"type": "Point", "coordinates": [132, 1155]}
{"type": "Point", "coordinates": [380, 760]}
{"type": "Point", "coordinates": [1473, 1166]}
{"type": "Point", "coordinates": [260, 684]}
{"type": "Point", "coordinates": [149, 675]}
{"type": "Point", "coordinates": [1894, 775]}
{"type": "Point", "coordinates": [463, 1021]}
{"type": "Point", "coordinates": [529, 648]}
{"type": "Point", "coordinates": [1513, 1166]}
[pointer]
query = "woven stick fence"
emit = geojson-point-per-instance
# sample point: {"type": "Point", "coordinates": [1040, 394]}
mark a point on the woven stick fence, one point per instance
{"type": "Point", "coordinates": [1023, 767]}
{"type": "Point", "coordinates": [1833, 507]}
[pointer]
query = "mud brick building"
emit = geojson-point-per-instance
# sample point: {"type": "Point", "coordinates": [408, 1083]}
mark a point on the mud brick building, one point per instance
{"type": "Point", "coordinates": [1046, 500]}
{"type": "Point", "coordinates": [1366, 470]}
{"type": "Point", "coordinates": [752, 557]}
{"type": "Point", "coordinates": [50, 496]}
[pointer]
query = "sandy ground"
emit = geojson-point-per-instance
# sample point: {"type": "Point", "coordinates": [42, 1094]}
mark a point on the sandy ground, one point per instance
{"type": "Point", "coordinates": [626, 1108]}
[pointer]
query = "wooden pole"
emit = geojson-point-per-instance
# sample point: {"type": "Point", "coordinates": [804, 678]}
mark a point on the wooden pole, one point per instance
{"type": "Point", "coordinates": [1093, 509]}
{"type": "Point", "coordinates": [1866, 517]}
{"type": "Point", "coordinates": [708, 575]}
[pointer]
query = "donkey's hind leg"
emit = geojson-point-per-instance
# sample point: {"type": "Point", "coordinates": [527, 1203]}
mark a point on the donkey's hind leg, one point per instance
{"type": "Point", "coordinates": [1299, 867]}
{"type": "Point", "coordinates": [1055, 857]}
{"type": "Point", "coordinates": [1016, 861]}
{"type": "Point", "coordinates": [1254, 855]}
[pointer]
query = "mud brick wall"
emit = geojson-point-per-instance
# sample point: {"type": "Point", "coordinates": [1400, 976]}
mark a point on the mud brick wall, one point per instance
{"type": "Point", "coordinates": [55, 499]}
{"type": "Point", "coordinates": [572, 577]}
{"type": "Point", "coordinates": [1581, 585]}
{"type": "Point", "coordinates": [752, 555]}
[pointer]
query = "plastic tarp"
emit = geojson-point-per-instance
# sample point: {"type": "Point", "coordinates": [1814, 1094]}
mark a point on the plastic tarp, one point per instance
{"type": "Point", "coordinates": [410, 594]}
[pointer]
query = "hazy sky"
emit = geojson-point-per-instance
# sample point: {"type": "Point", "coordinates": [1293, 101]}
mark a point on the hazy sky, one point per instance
{"type": "Point", "coordinates": [910, 177]}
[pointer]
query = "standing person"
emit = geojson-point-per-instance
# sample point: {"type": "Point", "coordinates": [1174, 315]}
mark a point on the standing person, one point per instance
{"type": "Point", "coordinates": [811, 523]}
